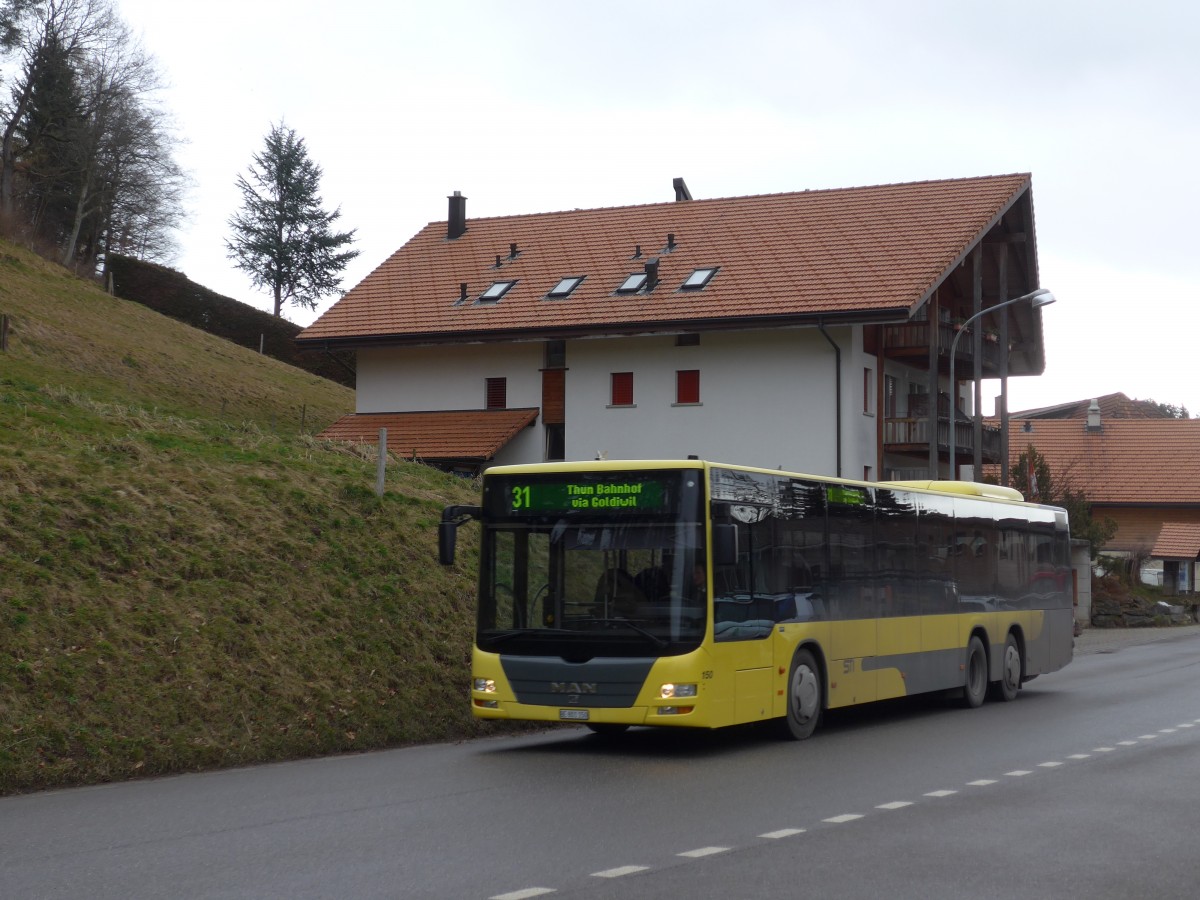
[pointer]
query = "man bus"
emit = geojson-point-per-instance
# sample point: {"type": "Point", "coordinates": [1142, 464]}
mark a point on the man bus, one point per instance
{"type": "Point", "coordinates": [689, 593]}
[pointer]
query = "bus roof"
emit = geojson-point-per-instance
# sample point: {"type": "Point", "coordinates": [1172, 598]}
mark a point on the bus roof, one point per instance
{"type": "Point", "coordinates": [966, 488]}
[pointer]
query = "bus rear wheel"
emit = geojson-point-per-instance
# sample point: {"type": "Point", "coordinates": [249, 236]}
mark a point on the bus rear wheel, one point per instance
{"type": "Point", "coordinates": [977, 674]}
{"type": "Point", "coordinates": [1010, 671]}
{"type": "Point", "coordinates": [804, 696]}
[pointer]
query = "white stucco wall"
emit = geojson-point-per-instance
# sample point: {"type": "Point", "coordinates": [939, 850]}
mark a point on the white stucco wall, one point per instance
{"type": "Point", "coordinates": [766, 397]}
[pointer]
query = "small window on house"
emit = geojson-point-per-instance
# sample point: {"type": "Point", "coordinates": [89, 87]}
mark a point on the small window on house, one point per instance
{"type": "Point", "coordinates": [868, 391]}
{"type": "Point", "coordinates": [633, 283]}
{"type": "Point", "coordinates": [622, 389]}
{"type": "Point", "coordinates": [687, 340]}
{"type": "Point", "coordinates": [698, 279]}
{"type": "Point", "coordinates": [496, 393]}
{"type": "Point", "coordinates": [555, 355]}
{"type": "Point", "coordinates": [564, 287]}
{"type": "Point", "coordinates": [687, 386]}
{"type": "Point", "coordinates": [496, 291]}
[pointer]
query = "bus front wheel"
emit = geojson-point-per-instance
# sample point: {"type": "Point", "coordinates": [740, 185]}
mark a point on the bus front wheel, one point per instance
{"type": "Point", "coordinates": [804, 696]}
{"type": "Point", "coordinates": [977, 674]}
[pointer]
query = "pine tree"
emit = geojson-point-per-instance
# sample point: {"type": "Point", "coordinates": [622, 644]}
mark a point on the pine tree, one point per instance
{"type": "Point", "coordinates": [282, 237]}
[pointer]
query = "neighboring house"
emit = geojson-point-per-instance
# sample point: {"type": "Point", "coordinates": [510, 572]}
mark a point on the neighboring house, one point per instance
{"type": "Point", "coordinates": [1143, 473]}
{"type": "Point", "coordinates": [804, 330]}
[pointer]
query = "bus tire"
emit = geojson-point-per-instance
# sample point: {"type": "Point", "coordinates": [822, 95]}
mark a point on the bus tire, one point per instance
{"type": "Point", "coordinates": [1011, 667]}
{"type": "Point", "coordinates": [977, 674]}
{"type": "Point", "coordinates": [805, 696]}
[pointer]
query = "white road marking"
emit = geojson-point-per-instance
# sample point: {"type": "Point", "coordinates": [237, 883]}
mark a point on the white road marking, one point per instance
{"type": "Point", "coordinates": [523, 894]}
{"type": "Point", "coordinates": [940, 793]}
{"type": "Point", "coordinates": [895, 804]}
{"type": "Point", "coordinates": [844, 817]}
{"type": "Point", "coordinates": [1049, 765]}
{"type": "Point", "coordinates": [1103, 749]}
{"type": "Point", "coordinates": [1185, 725]}
{"type": "Point", "coordinates": [702, 851]}
{"type": "Point", "coordinates": [1017, 773]}
{"type": "Point", "coordinates": [982, 782]}
{"type": "Point", "coordinates": [1166, 731]}
{"type": "Point", "coordinates": [1079, 756]}
{"type": "Point", "coordinates": [1126, 743]}
{"type": "Point", "coordinates": [1147, 737]}
{"type": "Point", "coordinates": [619, 871]}
{"type": "Point", "coordinates": [782, 833]}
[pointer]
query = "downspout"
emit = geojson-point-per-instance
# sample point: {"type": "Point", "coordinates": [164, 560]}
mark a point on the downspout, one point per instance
{"type": "Point", "coordinates": [837, 381]}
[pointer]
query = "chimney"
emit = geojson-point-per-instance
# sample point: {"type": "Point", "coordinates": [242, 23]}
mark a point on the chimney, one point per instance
{"type": "Point", "coordinates": [681, 190]}
{"type": "Point", "coordinates": [651, 273]}
{"type": "Point", "coordinates": [1093, 418]}
{"type": "Point", "coordinates": [456, 221]}
{"type": "Point", "coordinates": [670, 241]}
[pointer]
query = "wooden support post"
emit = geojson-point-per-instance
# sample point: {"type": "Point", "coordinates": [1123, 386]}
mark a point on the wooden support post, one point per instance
{"type": "Point", "coordinates": [381, 469]}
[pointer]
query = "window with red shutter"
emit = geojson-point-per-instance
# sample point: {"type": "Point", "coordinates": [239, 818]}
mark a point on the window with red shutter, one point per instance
{"type": "Point", "coordinates": [496, 393]}
{"type": "Point", "coordinates": [687, 386]}
{"type": "Point", "coordinates": [622, 389]}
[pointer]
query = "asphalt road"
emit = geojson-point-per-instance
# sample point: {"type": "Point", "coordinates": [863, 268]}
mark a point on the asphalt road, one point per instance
{"type": "Point", "coordinates": [1088, 785]}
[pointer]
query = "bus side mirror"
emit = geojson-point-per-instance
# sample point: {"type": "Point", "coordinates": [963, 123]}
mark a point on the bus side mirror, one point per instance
{"type": "Point", "coordinates": [725, 543]}
{"type": "Point", "coordinates": [452, 517]}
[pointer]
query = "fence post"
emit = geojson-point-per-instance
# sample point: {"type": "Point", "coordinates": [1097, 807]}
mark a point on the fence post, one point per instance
{"type": "Point", "coordinates": [382, 466]}
{"type": "Point", "coordinates": [4, 333]}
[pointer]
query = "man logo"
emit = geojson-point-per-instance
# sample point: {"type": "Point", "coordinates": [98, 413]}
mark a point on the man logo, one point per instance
{"type": "Point", "coordinates": [572, 687]}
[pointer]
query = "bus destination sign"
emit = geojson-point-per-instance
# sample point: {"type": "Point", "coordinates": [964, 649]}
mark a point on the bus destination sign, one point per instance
{"type": "Point", "coordinates": [611, 495]}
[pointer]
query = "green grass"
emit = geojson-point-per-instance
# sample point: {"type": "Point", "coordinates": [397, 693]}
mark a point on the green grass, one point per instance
{"type": "Point", "coordinates": [187, 578]}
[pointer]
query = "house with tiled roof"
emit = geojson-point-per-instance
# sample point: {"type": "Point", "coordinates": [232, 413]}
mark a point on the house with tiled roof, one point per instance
{"type": "Point", "coordinates": [803, 330]}
{"type": "Point", "coordinates": [1144, 474]}
{"type": "Point", "coordinates": [1112, 406]}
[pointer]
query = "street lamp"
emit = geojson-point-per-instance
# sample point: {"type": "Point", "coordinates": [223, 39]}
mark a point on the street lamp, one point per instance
{"type": "Point", "coordinates": [1040, 297]}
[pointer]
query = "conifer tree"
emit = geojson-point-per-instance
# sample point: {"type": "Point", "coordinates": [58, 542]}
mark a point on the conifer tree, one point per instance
{"type": "Point", "coordinates": [282, 238]}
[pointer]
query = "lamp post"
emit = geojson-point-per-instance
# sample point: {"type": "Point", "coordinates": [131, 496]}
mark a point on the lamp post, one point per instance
{"type": "Point", "coordinates": [1040, 297]}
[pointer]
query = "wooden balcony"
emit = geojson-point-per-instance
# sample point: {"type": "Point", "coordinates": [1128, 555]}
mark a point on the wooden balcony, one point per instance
{"type": "Point", "coordinates": [910, 434]}
{"type": "Point", "coordinates": [910, 340]}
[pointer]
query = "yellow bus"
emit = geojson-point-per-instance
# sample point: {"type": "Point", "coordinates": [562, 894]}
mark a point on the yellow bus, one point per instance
{"type": "Point", "coordinates": [691, 593]}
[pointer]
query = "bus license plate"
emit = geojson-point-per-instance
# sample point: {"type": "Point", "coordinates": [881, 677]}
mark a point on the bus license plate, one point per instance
{"type": "Point", "coordinates": [574, 715]}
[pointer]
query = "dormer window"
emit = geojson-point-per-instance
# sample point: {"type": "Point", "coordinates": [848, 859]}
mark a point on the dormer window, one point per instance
{"type": "Point", "coordinates": [496, 291]}
{"type": "Point", "coordinates": [564, 287]}
{"type": "Point", "coordinates": [633, 283]}
{"type": "Point", "coordinates": [699, 279]}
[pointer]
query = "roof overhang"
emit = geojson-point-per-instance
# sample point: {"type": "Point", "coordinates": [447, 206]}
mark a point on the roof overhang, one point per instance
{"type": "Point", "coordinates": [466, 436]}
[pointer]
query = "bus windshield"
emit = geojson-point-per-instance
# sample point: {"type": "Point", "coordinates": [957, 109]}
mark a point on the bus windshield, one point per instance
{"type": "Point", "coordinates": [605, 564]}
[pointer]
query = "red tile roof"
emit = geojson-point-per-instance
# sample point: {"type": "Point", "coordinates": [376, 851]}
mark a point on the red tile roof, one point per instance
{"type": "Point", "coordinates": [1142, 462]}
{"type": "Point", "coordinates": [873, 252]}
{"type": "Point", "coordinates": [1178, 540]}
{"type": "Point", "coordinates": [472, 434]}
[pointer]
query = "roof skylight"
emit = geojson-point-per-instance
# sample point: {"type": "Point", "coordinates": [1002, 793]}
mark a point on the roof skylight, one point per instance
{"type": "Point", "coordinates": [565, 286]}
{"type": "Point", "coordinates": [633, 283]}
{"type": "Point", "coordinates": [699, 279]}
{"type": "Point", "coordinates": [496, 291]}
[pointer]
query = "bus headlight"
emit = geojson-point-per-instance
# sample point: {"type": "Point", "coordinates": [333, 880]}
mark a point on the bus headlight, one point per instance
{"type": "Point", "coordinates": [671, 691]}
{"type": "Point", "coordinates": [487, 685]}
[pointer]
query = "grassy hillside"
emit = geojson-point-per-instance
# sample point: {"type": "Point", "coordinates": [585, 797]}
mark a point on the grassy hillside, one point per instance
{"type": "Point", "coordinates": [187, 578]}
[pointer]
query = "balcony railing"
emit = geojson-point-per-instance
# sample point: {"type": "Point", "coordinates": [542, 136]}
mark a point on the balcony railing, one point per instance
{"type": "Point", "coordinates": [911, 337]}
{"type": "Point", "coordinates": [912, 434]}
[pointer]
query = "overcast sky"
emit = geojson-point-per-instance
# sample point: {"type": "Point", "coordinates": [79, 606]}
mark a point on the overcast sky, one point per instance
{"type": "Point", "coordinates": [540, 106]}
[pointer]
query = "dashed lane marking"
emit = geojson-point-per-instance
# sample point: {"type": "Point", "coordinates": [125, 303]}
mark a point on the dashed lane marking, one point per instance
{"type": "Point", "coordinates": [782, 833]}
{"type": "Point", "coordinates": [1126, 743]}
{"type": "Point", "coordinates": [1079, 756]}
{"type": "Point", "coordinates": [1103, 749]}
{"type": "Point", "coordinates": [619, 871]}
{"type": "Point", "coordinates": [702, 851]}
{"type": "Point", "coordinates": [895, 804]}
{"type": "Point", "coordinates": [1147, 737]}
{"type": "Point", "coordinates": [1017, 773]}
{"type": "Point", "coordinates": [1166, 731]}
{"type": "Point", "coordinates": [844, 817]}
{"type": "Point", "coordinates": [524, 894]}
{"type": "Point", "coordinates": [940, 793]}
{"type": "Point", "coordinates": [1049, 765]}
{"type": "Point", "coordinates": [982, 782]}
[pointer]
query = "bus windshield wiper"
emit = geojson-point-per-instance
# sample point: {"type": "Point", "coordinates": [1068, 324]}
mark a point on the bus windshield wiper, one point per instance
{"type": "Point", "coordinates": [655, 639]}
{"type": "Point", "coordinates": [500, 637]}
